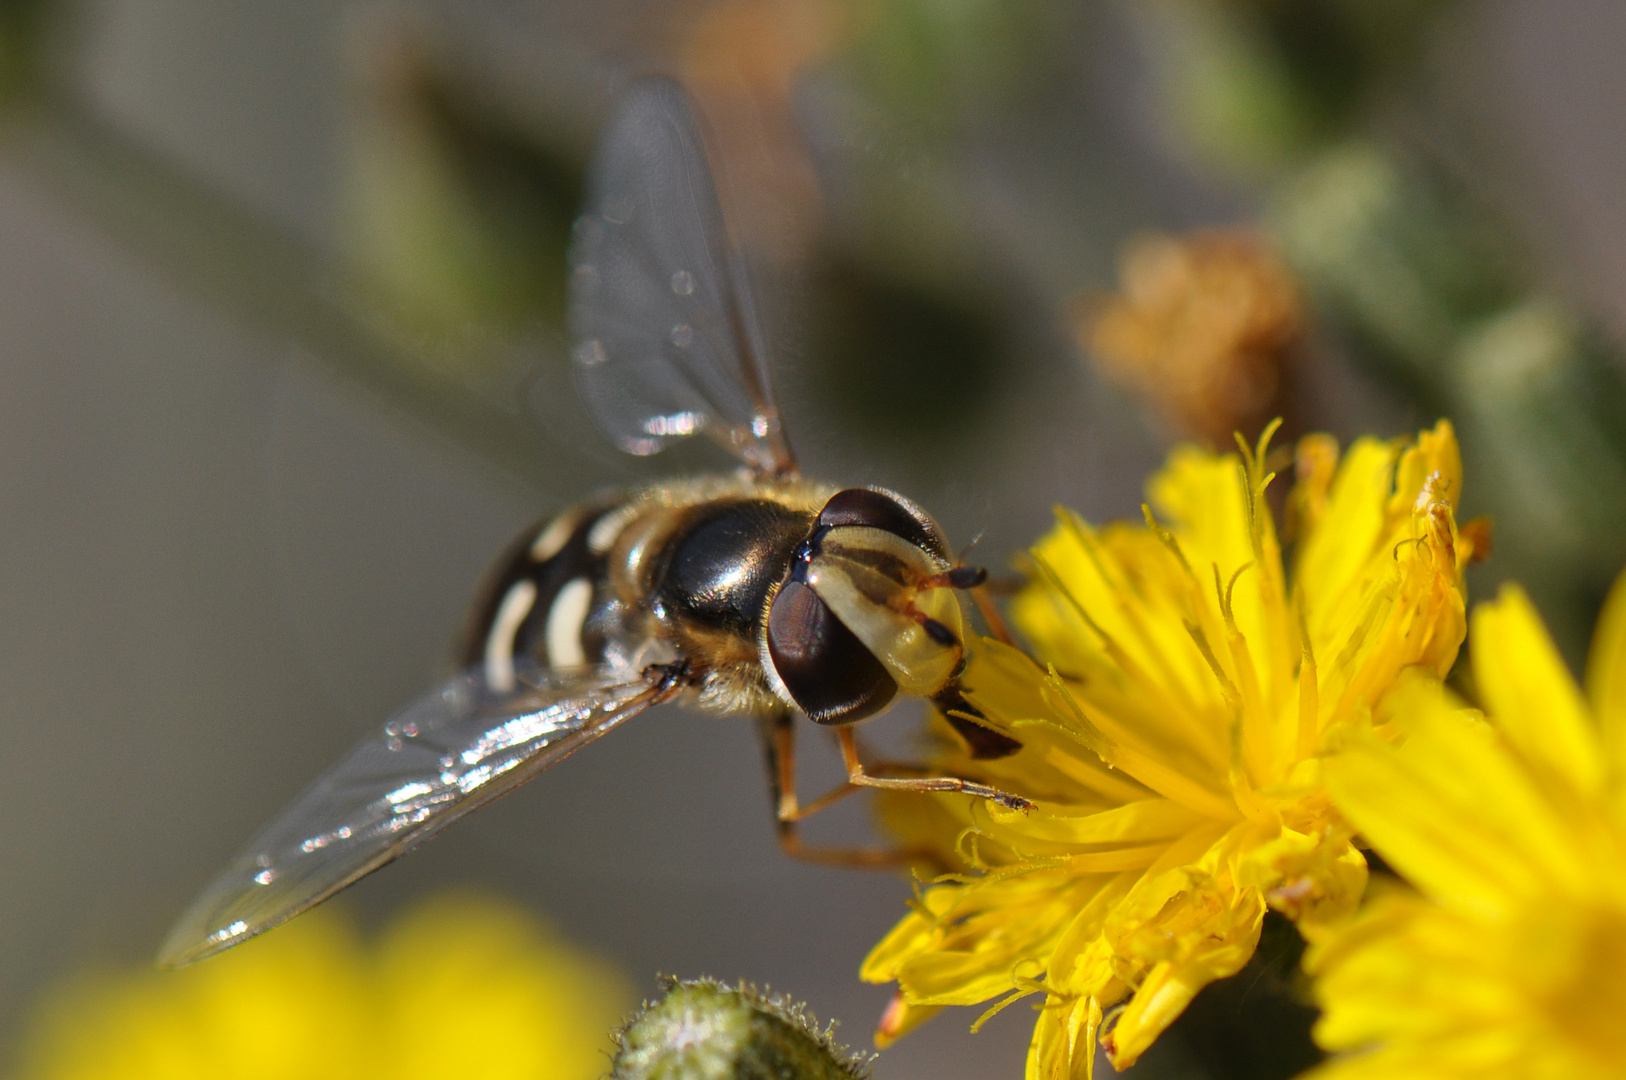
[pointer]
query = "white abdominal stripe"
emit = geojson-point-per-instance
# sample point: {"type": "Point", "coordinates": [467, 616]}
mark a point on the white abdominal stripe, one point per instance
{"type": "Point", "coordinates": [567, 618]}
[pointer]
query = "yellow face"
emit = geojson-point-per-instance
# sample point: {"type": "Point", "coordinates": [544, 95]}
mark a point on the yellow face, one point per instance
{"type": "Point", "coordinates": [891, 594]}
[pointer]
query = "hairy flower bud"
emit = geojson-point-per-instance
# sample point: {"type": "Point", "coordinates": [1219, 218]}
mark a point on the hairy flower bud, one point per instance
{"type": "Point", "coordinates": [704, 1030]}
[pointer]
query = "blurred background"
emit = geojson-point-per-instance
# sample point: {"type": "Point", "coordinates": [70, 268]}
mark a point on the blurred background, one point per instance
{"type": "Point", "coordinates": [282, 366]}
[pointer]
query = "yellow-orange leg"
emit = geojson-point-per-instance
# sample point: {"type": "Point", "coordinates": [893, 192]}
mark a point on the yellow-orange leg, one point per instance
{"type": "Point", "coordinates": [779, 743]}
{"type": "Point", "coordinates": [858, 777]}
{"type": "Point", "coordinates": [997, 627]}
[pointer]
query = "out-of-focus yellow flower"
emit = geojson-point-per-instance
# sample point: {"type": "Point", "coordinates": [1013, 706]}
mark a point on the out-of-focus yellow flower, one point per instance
{"type": "Point", "coordinates": [1512, 960]}
{"type": "Point", "coordinates": [461, 986]}
{"type": "Point", "coordinates": [1171, 729]}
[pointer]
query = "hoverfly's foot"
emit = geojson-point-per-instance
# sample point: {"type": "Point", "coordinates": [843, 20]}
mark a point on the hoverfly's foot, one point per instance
{"type": "Point", "coordinates": [1013, 802]}
{"type": "Point", "coordinates": [996, 796]}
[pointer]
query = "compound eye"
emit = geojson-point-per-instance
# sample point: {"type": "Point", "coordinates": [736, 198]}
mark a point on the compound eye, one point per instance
{"type": "Point", "coordinates": [831, 676]}
{"type": "Point", "coordinates": [886, 511]}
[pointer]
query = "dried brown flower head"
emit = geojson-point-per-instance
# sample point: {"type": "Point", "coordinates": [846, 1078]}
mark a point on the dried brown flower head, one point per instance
{"type": "Point", "coordinates": [1203, 329]}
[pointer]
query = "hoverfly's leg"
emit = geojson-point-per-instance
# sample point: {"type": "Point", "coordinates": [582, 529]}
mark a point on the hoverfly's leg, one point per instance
{"type": "Point", "coordinates": [997, 627]}
{"type": "Point", "coordinates": [857, 775]}
{"type": "Point", "coordinates": [782, 766]}
{"type": "Point", "coordinates": [779, 743]}
{"type": "Point", "coordinates": [1004, 584]}
{"type": "Point", "coordinates": [667, 681]}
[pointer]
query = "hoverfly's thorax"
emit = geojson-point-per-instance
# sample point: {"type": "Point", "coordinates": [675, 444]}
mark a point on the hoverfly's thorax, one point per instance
{"type": "Point", "coordinates": [723, 563]}
{"type": "Point", "coordinates": [709, 571]}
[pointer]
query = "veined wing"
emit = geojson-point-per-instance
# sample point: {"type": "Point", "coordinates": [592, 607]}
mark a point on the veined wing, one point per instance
{"type": "Point", "coordinates": [667, 337]}
{"type": "Point", "coordinates": [451, 751]}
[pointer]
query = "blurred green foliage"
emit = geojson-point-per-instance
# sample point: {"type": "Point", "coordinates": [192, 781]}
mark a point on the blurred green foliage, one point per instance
{"type": "Point", "coordinates": [22, 25]}
{"type": "Point", "coordinates": [1257, 83]}
{"type": "Point", "coordinates": [901, 358]}
{"type": "Point", "coordinates": [1403, 256]}
{"type": "Point", "coordinates": [932, 61]}
{"type": "Point", "coordinates": [459, 217]}
{"type": "Point", "coordinates": [1430, 291]}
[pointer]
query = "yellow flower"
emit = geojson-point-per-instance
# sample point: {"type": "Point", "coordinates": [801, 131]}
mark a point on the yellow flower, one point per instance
{"type": "Point", "coordinates": [459, 986]}
{"type": "Point", "coordinates": [1171, 727]}
{"type": "Point", "coordinates": [1511, 962]}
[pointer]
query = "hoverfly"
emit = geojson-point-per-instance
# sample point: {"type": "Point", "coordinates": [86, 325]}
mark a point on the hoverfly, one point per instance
{"type": "Point", "coordinates": [760, 592]}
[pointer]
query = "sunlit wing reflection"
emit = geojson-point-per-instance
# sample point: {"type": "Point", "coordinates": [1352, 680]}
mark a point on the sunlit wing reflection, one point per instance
{"type": "Point", "coordinates": [449, 752]}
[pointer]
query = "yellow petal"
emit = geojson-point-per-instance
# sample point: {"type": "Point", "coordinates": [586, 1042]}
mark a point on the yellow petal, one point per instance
{"type": "Point", "coordinates": [1424, 981]}
{"type": "Point", "coordinates": [1221, 522]}
{"type": "Point", "coordinates": [1530, 693]}
{"type": "Point", "coordinates": [1170, 986]}
{"type": "Point", "coordinates": [1379, 577]}
{"type": "Point", "coordinates": [1203, 499]}
{"type": "Point", "coordinates": [1424, 806]}
{"type": "Point", "coordinates": [1111, 612]}
{"type": "Point", "coordinates": [1184, 780]}
{"type": "Point", "coordinates": [956, 978]}
{"type": "Point", "coordinates": [1606, 675]}
{"type": "Point", "coordinates": [1334, 555]}
{"type": "Point", "coordinates": [1063, 1046]}
{"type": "Point", "coordinates": [1315, 880]}
{"type": "Point", "coordinates": [1089, 608]}
{"type": "Point", "coordinates": [973, 940]}
{"type": "Point", "coordinates": [1096, 776]}
{"type": "Point", "coordinates": [914, 934]}
{"type": "Point", "coordinates": [1380, 489]}
{"type": "Point", "coordinates": [900, 1019]}
{"type": "Point", "coordinates": [1082, 963]}
{"type": "Point", "coordinates": [1015, 693]}
{"type": "Point", "coordinates": [490, 967]}
{"type": "Point", "coordinates": [1147, 821]}
{"type": "Point", "coordinates": [1429, 468]}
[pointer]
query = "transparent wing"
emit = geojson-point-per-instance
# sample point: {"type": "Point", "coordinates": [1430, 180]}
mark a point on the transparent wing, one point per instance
{"type": "Point", "coordinates": [451, 751]}
{"type": "Point", "coordinates": [668, 341]}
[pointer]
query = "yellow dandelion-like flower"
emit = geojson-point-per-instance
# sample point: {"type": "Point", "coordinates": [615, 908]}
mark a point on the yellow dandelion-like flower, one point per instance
{"type": "Point", "coordinates": [459, 986]}
{"type": "Point", "coordinates": [1171, 727]}
{"type": "Point", "coordinates": [1510, 961]}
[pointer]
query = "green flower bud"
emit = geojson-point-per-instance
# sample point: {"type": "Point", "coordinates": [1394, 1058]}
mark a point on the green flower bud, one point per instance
{"type": "Point", "coordinates": [704, 1030]}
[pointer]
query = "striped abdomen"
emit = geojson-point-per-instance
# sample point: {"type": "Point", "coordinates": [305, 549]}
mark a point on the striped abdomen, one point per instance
{"type": "Point", "coordinates": [683, 569]}
{"type": "Point", "coordinates": [548, 601]}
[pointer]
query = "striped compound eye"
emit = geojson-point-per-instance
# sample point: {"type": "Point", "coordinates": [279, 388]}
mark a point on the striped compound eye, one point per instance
{"type": "Point", "coordinates": [869, 609]}
{"type": "Point", "coordinates": [829, 673]}
{"type": "Point", "coordinates": [888, 511]}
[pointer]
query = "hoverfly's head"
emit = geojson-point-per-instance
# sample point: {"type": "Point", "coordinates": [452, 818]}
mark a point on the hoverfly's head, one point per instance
{"type": "Point", "coordinates": [869, 608]}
